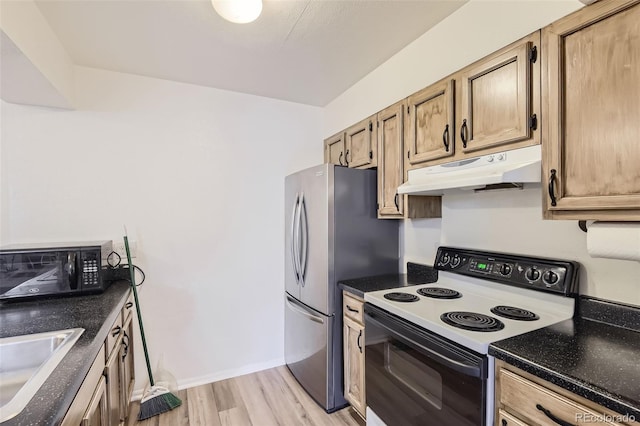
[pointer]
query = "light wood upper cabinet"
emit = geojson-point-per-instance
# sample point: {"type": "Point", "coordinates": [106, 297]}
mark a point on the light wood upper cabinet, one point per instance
{"type": "Point", "coordinates": [334, 149]}
{"type": "Point", "coordinates": [591, 92]}
{"type": "Point", "coordinates": [361, 144]}
{"type": "Point", "coordinates": [499, 96]}
{"type": "Point", "coordinates": [430, 123]}
{"type": "Point", "coordinates": [390, 161]}
{"type": "Point", "coordinates": [391, 171]}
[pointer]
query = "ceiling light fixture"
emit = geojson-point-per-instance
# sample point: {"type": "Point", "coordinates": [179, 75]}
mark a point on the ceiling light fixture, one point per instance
{"type": "Point", "coordinates": [238, 11]}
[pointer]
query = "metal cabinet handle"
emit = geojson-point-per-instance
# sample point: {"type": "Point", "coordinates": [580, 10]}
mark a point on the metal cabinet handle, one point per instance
{"type": "Point", "coordinates": [552, 417]}
{"type": "Point", "coordinates": [395, 201]}
{"type": "Point", "coordinates": [116, 331]}
{"type": "Point", "coordinates": [125, 343]}
{"type": "Point", "coordinates": [346, 157]}
{"type": "Point", "coordinates": [360, 337]}
{"type": "Point", "coordinates": [340, 159]}
{"type": "Point", "coordinates": [350, 309]}
{"type": "Point", "coordinates": [464, 133]}
{"type": "Point", "coordinates": [552, 194]}
{"type": "Point", "coordinates": [504, 422]}
{"type": "Point", "coordinates": [445, 138]}
{"type": "Point", "coordinates": [128, 305]}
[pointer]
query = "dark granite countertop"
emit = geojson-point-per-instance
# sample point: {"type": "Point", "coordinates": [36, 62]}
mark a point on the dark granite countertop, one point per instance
{"type": "Point", "coordinates": [94, 313]}
{"type": "Point", "coordinates": [416, 274]}
{"type": "Point", "coordinates": [595, 355]}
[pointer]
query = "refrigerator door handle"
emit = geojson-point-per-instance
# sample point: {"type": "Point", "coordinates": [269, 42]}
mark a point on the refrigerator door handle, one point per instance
{"type": "Point", "coordinates": [304, 230]}
{"type": "Point", "coordinates": [298, 236]}
{"type": "Point", "coordinates": [294, 258]}
{"type": "Point", "coordinates": [296, 307]}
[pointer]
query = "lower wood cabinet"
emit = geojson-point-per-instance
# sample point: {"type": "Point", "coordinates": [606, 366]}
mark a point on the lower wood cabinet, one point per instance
{"type": "Point", "coordinates": [127, 372]}
{"type": "Point", "coordinates": [97, 413]}
{"type": "Point", "coordinates": [523, 399]}
{"type": "Point", "coordinates": [105, 394]}
{"type": "Point", "coordinates": [353, 333]}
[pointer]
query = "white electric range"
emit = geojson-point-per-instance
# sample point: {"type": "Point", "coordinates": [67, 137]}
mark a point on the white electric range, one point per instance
{"type": "Point", "coordinates": [426, 346]}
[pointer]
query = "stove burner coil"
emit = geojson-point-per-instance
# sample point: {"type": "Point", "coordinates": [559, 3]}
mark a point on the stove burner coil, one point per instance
{"type": "Point", "coordinates": [514, 313]}
{"type": "Point", "coordinates": [472, 321]}
{"type": "Point", "coordinates": [439, 293]}
{"type": "Point", "coordinates": [398, 296]}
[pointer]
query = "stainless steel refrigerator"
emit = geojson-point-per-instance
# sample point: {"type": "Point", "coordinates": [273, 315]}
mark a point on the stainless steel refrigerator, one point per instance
{"type": "Point", "coordinates": [332, 233]}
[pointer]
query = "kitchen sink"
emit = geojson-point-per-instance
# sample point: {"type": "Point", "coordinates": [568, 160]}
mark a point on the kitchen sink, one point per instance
{"type": "Point", "coordinates": [26, 362]}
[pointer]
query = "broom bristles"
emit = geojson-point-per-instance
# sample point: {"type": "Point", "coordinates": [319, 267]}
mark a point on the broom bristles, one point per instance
{"type": "Point", "coordinates": [158, 404]}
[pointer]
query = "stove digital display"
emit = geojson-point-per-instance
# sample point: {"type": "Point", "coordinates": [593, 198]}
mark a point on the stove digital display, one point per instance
{"type": "Point", "coordinates": [481, 265]}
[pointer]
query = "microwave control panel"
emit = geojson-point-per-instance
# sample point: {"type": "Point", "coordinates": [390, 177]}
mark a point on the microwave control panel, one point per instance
{"type": "Point", "coordinates": [90, 268]}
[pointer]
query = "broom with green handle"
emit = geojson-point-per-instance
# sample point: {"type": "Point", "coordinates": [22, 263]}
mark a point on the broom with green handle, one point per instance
{"type": "Point", "coordinates": [157, 399]}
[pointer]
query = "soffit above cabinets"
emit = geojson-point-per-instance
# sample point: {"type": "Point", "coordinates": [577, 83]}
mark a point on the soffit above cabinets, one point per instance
{"type": "Point", "coordinates": [305, 51]}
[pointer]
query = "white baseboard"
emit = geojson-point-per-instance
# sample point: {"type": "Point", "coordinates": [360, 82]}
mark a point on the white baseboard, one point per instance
{"type": "Point", "coordinates": [220, 375]}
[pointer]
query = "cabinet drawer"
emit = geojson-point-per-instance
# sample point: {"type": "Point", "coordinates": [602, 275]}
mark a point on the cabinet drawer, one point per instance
{"type": "Point", "coordinates": [505, 419]}
{"type": "Point", "coordinates": [128, 308]}
{"type": "Point", "coordinates": [114, 333]}
{"type": "Point", "coordinates": [538, 405]}
{"type": "Point", "coordinates": [353, 307]}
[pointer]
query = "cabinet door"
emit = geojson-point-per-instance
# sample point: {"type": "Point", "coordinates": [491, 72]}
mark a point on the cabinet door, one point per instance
{"type": "Point", "coordinates": [591, 154]}
{"type": "Point", "coordinates": [430, 123]}
{"type": "Point", "coordinates": [113, 385]}
{"type": "Point", "coordinates": [497, 95]}
{"type": "Point", "coordinates": [505, 419]}
{"type": "Point", "coordinates": [127, 374]}
{"type": "Point", "coordinates": [390, 161]}
{"type": "Point", "coordinates": [360, 143]}
{"type": "Point", "coordinates": [354, 390]}
{"type": "Point", "coordinates": [334, 150]}
{"type": "Point", "coordinates": [97, 411]}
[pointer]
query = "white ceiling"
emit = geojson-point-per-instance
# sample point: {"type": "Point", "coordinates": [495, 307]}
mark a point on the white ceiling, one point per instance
{"type": "Point", "coordinates": [305, 51]}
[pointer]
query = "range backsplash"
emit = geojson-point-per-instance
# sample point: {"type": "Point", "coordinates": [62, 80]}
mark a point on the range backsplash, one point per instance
{"type": "Point", "coordinates": [511, 220]}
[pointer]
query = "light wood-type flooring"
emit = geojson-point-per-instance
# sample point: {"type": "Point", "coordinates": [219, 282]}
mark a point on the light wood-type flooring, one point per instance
{"type": "Point", "coordinates": [265, 398]}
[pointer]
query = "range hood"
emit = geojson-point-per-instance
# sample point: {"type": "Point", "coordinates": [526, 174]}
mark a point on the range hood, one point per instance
{"type": "Point", "coordinates": [500, 169]}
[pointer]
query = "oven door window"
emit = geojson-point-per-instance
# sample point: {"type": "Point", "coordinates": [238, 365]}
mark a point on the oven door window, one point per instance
{"type": "Point", "coordinates": [407, 385]}
{"type": "Point", "coordinates": [29, 274]}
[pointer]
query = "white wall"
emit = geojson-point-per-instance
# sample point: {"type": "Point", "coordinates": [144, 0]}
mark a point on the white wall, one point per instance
{"type": "Point", "coordinates": [501, 221]}
{"type": "Point", "coordinates": [197, 176]}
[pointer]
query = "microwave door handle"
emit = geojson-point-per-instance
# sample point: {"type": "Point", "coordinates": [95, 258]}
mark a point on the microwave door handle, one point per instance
{"type": "Point", "coordinates": [72, 270]}
{"type": "Point", "coordinates": [294, 259]}
{"type": "Point", "coordinates": [304, 231]}
{"type": "Point", "coordinates": [461, 367]}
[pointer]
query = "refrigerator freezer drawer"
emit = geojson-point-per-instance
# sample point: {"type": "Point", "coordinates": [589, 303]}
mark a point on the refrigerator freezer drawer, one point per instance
{"type": "Point", "coordinates": [308, 334]}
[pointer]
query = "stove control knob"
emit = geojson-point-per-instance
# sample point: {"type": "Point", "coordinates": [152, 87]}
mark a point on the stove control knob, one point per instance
{"type": "Point", "coordinates": [455, 262]}
{"type": "Point", "coordinates": [550, 278]}
{"type": "Point", "coordinates": [445, 259]}
{"type": "Point", "coordinates": [532, 274]}
{"type": "Point", "coordinates": [505, 269]}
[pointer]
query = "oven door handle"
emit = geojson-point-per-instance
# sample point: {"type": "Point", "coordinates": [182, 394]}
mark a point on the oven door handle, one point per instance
{"type": "Point", "coordinates": [467, 369]}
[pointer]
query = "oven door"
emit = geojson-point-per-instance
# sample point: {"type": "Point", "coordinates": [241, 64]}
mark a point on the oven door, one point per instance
{"type": "Point", "coordinates": [415, 377]}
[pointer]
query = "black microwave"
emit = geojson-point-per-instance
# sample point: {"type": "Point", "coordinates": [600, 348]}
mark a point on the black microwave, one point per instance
{"type": "Point", "coordinates": [52, 269]}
